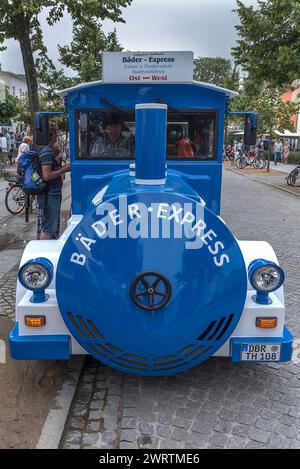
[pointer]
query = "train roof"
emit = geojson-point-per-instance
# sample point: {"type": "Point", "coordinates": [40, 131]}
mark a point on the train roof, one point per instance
{"type": "Point", "coordinates": [231, 94]}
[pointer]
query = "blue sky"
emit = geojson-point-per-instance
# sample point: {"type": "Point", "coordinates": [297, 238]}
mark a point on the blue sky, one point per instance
{"type": "Point", "coordinates": [203, 26]}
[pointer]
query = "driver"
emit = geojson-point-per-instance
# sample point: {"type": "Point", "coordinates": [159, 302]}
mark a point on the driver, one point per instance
{"type": "Point", "coordinates": [112, 143]}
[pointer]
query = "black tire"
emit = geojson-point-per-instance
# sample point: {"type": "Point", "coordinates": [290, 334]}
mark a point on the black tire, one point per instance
{"type": "Point", "coordinates": [15, 200]}
{"type": "Point", "coordinates": [288, 179]}
{"type": "Point", "coordinates": [295, 178]}
{"type": "Point", "coordinates": [256, 163]}
{"type": "Point", "coordinates": [240, 163]}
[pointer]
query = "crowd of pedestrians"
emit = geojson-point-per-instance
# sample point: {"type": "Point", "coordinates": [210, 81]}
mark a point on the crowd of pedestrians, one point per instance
{"type": "Point", "coordinates": [16, 144]}
{"type": "Point", "coordinates": [281, 150]}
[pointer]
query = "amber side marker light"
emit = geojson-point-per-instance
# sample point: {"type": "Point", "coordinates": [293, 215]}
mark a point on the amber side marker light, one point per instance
{"type": "Point", "coordinates": [266, 323]}
{"type": "Point", "coordinates": [35, 321]}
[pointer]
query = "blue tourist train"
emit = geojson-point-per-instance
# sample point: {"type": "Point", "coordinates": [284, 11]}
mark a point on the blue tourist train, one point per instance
{"type": "Point", "coordinates": [147, 277]}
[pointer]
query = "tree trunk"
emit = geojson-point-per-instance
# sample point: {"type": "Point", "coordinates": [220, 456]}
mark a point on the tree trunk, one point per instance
{"type": "Point", "coordinates": [31, 75]}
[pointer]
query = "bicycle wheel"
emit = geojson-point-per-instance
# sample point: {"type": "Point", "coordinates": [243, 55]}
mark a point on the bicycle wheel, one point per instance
{"type": "Point", "coordinates": [256, 163]}
{"type": "Point", "coordinates": [288, 179]}
{"type": "Point", "coordinates": [262, 163]}
{"type": "Point", "coordinates": [15, 200]}
{"type": "Point", "coordinates": [295, 178]}
{"type": "Point", "coordinates": [240, 163]}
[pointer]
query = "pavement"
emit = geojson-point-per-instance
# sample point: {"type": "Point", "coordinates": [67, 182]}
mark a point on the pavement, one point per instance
{"type": "Point", "coordinates": [276, 177]}
{"type": "Point", "coordinates": [285, 168]}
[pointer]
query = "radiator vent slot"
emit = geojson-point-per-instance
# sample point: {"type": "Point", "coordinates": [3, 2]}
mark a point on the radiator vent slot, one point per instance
{"type": "Point", "coordinates": [225, 328]}
{"type": "Point", "coordinates": [216, 329]}
{"type": "Point", "coordinates": [207, 331]}
{"type": "Point", "coordinates": [95, 343]}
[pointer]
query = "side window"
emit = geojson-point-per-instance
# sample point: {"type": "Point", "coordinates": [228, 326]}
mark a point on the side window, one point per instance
{"type": "Point", "coordinates": [191, 135]}
{"type": "Point", "coordinates": [105, 135]}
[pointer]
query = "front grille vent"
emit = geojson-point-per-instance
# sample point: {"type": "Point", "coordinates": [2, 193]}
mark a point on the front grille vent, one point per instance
{"type": "Point", "coordinates": [94, 341]}
{"type": "Point", "coordinates": [216, 329]}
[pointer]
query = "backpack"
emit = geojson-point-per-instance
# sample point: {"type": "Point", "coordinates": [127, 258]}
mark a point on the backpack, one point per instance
{"type": "Point", "coordinates": [31, 175]}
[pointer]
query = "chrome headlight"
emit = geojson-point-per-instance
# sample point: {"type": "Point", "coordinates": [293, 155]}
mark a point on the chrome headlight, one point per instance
{"type": "Point", "coordinates": [36, 274]}
{"type": "Point", "coordinates": [265, 276]}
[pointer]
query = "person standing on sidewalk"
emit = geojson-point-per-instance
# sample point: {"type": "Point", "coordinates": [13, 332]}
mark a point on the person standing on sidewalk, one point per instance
{"type": "Point", "coordinates": [49, 204]}
{"type": "Point", "coordinates": [277, 150]}
{"type": "Point", "coordinates": [286, 152]}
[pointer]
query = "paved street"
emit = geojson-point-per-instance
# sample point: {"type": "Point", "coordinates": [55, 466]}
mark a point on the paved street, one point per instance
{"type": "Point", "coordinates": [218, 404]}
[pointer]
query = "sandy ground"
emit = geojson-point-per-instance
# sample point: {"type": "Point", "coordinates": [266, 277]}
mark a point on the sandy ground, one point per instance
{"type": "Point", "coordinates": [27, 391]}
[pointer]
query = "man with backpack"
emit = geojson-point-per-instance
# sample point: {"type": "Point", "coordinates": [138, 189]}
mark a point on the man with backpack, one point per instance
{"type": "Point", "coordinates": [49, 202]}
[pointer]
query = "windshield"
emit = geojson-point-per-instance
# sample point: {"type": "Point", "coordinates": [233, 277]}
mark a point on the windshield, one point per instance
{"type": "Point", "coordinates": [191, 135]}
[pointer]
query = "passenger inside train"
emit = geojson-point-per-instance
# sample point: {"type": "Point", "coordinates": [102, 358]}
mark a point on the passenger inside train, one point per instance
{"type": "Point", "coordinates": [191, 135]}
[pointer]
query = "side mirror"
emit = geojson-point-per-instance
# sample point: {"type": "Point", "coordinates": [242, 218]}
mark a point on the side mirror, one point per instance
{"type": "Point", "coordinates": [41, 123]}
{"type": "Point", "coordinates": [250, 136]}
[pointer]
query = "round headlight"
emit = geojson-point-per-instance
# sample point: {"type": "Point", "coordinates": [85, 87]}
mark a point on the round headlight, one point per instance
{"type": "Point", "coordinates": [265, 276]}
{"type": "Point", "coordinates": [36, 274]}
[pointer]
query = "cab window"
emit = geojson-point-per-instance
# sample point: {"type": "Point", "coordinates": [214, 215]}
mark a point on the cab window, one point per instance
{"type": "Point", "coordinates": [191, 135]}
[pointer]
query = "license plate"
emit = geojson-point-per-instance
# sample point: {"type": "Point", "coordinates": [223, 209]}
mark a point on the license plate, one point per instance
{"type": "Point", "coordinates": [260, 352]}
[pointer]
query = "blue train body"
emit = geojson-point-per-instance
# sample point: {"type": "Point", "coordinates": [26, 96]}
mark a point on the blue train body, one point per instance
{"type": "Point", "coordinates": [147, 277]}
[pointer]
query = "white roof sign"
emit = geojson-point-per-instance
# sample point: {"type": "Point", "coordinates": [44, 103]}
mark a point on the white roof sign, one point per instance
{"type": "Point", "coordinates": [148, 67]}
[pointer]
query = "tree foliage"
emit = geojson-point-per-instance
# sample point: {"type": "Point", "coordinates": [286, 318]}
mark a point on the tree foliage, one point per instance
{"type": "Point", "coordinates": [84, 53]}
{"type": "Point", "coordinates": [19, 20]}
{"type": "Point", "coordinates": [217, 71]}
{"type": "Point", "coordinates": [23, 116]}
{"type": "Point", "coordinates": [274, 114]}
{"type": "Point", "coordinates": [269, 44]}
{"type": "Point", "coordinates": [8, 108]}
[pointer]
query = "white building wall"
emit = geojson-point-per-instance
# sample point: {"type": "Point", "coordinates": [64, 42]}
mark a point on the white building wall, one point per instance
{"type": "Point", "coordinates": [16, 85]}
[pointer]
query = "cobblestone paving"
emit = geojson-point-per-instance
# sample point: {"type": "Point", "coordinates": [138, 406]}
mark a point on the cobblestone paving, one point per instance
{"type": "Point", "coordinates": [8, 293]}
{"type": "Point", "coordinates": [218, 404]}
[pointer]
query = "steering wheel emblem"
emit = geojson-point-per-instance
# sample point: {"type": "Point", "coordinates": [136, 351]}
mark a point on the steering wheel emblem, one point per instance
{"type": "Point", "coordinates": [151, 291]}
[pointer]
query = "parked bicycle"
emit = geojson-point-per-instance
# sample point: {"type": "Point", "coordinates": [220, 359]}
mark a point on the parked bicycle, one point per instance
{"type": "Point", "coordinates": [293, 179]}
{"type": "Point", "coordinates": [249, 159]}
{"type": "Point", "coordinates": [15, 198]}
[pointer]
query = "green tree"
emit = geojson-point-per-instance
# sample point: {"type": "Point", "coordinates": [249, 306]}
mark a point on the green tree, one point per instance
{"type": "Point", "coordinates": [274, 115]}
{"type": "Point", "coordinates": [269, 44]}
{"type": "Point", "coordinates": [19, 20]}
{"type": "Point", "coordinates": [84, 53]}
{"type": "Point", "coordinates": [217, 71]}
{"type": "Point", "coordinates": [8, 108]}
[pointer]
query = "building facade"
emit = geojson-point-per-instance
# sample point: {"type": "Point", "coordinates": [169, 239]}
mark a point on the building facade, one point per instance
{"type": "Point", "coordinates": [16, 84]}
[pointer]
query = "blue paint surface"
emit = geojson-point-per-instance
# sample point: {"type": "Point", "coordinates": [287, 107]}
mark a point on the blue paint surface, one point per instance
{"type": "Point", "coordinates": [39, 347]}
{"type": "Point", "coordinates": [95, 301]}
{"type": "Point", "coordinates": [204, 176]}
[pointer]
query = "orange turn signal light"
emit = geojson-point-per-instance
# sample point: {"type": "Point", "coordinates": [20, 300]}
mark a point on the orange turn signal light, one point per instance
{"type": "Point", "coordinates": [266, 323]}
{"type": "Point", "coordinates": [35, 321]}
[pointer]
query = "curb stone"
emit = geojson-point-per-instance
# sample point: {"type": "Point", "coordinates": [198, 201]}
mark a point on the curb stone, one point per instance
{"type": "Point", "coordinates": [55, 423]}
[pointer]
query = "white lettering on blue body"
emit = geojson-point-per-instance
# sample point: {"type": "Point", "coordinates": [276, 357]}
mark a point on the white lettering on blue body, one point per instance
{"type": "Point", "coordinates": [139, 221]}
{"type": "Point", "coordinates": [79, 259]}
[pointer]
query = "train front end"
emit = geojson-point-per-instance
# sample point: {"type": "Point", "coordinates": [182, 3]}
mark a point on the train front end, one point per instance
{"type": "Point", "coordinates": [149, 279]}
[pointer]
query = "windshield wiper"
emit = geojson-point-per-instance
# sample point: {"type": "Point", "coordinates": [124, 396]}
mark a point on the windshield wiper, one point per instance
{"type": "Point", "coordinates": [111, 106]}
{"type": "Point", "coordinates": [172, 109]}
